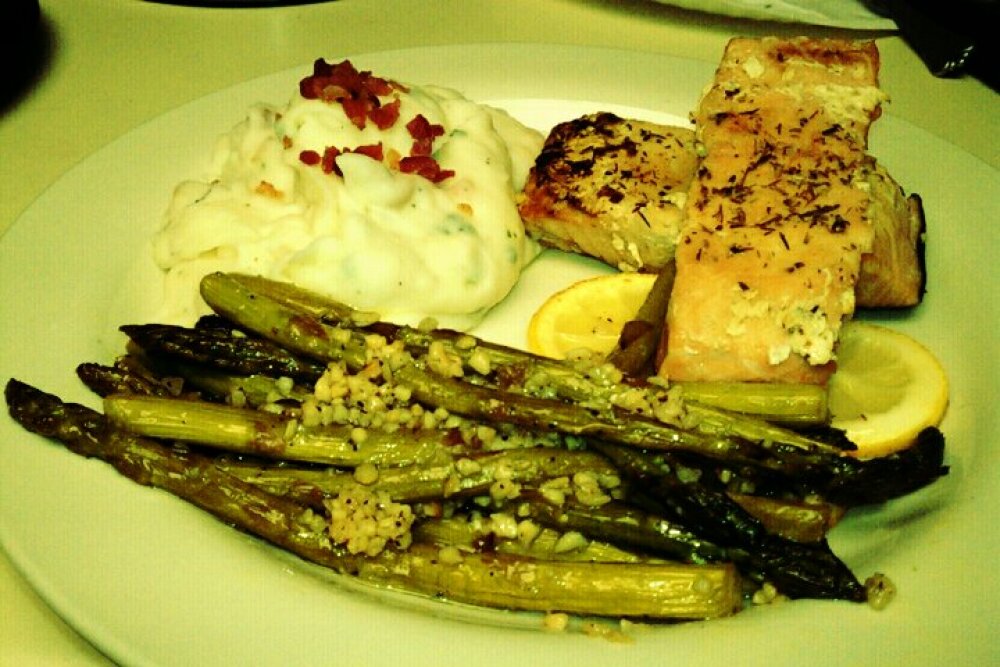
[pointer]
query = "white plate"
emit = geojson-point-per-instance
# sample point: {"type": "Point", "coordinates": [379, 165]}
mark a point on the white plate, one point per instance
{"type": "Point", "coordinates": [851, 14]}
{"type": "Point", "coordinates": [152, 580]}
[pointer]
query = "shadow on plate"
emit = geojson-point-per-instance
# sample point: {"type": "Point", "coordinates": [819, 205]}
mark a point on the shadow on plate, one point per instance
{"type": "Point", "coordinates": [27, 44]}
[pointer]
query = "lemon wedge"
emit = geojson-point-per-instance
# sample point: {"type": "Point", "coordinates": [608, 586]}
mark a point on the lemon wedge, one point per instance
{"type": "Point", "coordinates": [887, 388]}
{"type": "Point", "coordinates": [587, 315]}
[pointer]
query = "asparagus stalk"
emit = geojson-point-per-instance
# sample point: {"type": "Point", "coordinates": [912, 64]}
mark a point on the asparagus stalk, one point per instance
{"type": "Point", "coordinates": [797, 569]}
{"type": "Point", "coordinates": [636, 348]}
{"type": "Point", "coordinates": [545, 544]}
{"type": "Point", "coordinates": [630, 528]}
{"type": "Point", "coordinates": [231, 297]}
{"type": "Point", "coordinates": [617, 426]}
{"type": "Point", "coordinates": [648, 590]}
{"type": "Point", "coordinates": [731, 438]}
{"type": "Point", "coordinates": [294, 330]}
{"type": "Point", "coordinates": [252, 390]}
{"type": "Point", "coordinates": [644, 590]}
{"type": "Point", "coordinates": [271, 435]}
{"type": "Point", "coordinates": [788, 403]}
{"type": "Point", "coordinates": [875, 481]}
{"type": "Point", "coordinates": [188, 475]}
{"type": "Point", "coordinates": [458, 478]}
{"type": "Point", "coordinates": [224, 350]}
{"type": "Point", "coordinates": [120, 379]}
{"type": "Point", "coordinates": [794, 520]}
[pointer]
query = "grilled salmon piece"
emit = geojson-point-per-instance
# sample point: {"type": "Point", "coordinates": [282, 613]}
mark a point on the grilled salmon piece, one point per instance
{"type": "Point", "coordinates": [778, 216]}
{"type": "Point", "coordinates": [611, 188]}
{"type": "Point", "coordinates": [590, 193]}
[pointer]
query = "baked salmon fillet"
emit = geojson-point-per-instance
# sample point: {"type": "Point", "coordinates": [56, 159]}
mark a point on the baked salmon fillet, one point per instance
{"type": "Point", "coordinates": [611, 188]}
{"type": "Point", "coordinates": [587, 194]}
{"type": "Point", "coordinates": [779, 215]}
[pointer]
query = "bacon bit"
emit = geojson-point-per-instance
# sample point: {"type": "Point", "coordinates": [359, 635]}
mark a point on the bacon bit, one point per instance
{"type": "Point", "coordinates": [421, 147]}
{"type": "Point", "coordinates": [374, 151]}
{"type": "Point", "coordinates": [386, 115]}
{"type": "Point", "coordinates": [423, 133]}
{"type": "Point", "coordinates": [421, 128]}
{"type": "Point", "coordinates": [311, 158]}
{"type": "Point", "coordinates": [357, 92]}
{"type": "Point", "coordinates": [357, 111]}
{"type": "Point", "coordinates": [328, 161]}
{"type": "Point", "coordinates": [329, 164]}
{"type": "Point", "coordinates": [421, 165]}
{"type": "Point", "coordinates": [426, 166]}
{"type": "Point", "coordinates": [286, 142]}
{"type": "Point", "coordinates": [333, 93]}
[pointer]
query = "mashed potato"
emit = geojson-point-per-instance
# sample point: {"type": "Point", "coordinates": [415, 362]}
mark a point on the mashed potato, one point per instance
{"type": "Point", "coordinates": [394, 199]}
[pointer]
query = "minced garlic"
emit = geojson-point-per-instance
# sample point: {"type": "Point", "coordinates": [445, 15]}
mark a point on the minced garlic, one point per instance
{"type": "Point", "coordinates": [368, 521]}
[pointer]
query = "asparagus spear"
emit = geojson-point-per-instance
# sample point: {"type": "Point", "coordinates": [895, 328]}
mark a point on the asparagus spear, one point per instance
{"type": "Point", "coordinates": [224, 350]}
{"type": "Point", "coordinates": [617, 425]}
{"type": "Point", "coordinates": [798, 404]}
{"type": "Point", "coordinates": [630, 528]}
{"type": "Point", "coordinates": [715, 424]}
{"type": "Point", "coordinates": [797, 569]}
{"type": "Point", "coordinates": [461, 477]}
{"type": "Point", "coordinates": [647, 590]}
{"type": "Point", "coordinates": [875, 481]}
{"type": "Point", "coordinates": [635, 352]}
{"type": "Point", "coordinates": [119, 379]}
{"type": "Point", "coordinates": [847, 481]}
{"type": "Point", "coordinates": [790, 403]}
{"type": "Point", "coordinates": [271, 435]}
{"type": "Point", "coordinates": [795, 520]}
{"type": "Point", "coordinates": [210, 383]}
{"type": "Point", "coordinates": [251, 390]}
{"type": "Point", "coordinates": [534, 541]}
{"type": "Point", "coordinates": [305, 334]}
{"type": "Point", "coordinates": [843, 479]}
{"type": "Point", "coordinates": [294, 330]}
{"type": "Point", "coordinates": [188, 475]}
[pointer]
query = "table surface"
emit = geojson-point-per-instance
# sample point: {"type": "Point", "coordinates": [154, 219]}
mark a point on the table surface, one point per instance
{"type": "Point", "coordinates": [107, 67]}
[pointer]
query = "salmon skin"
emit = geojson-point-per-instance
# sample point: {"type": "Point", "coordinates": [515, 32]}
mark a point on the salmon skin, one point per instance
{"type": "Point", "coordinates": [778, 216]}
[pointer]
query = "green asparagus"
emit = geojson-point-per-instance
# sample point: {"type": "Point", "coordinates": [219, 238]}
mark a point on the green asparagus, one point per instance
{"type": "Point", "coordinates": [271, 435]}
{"type": "Point", "coordinates": [641, 590]}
